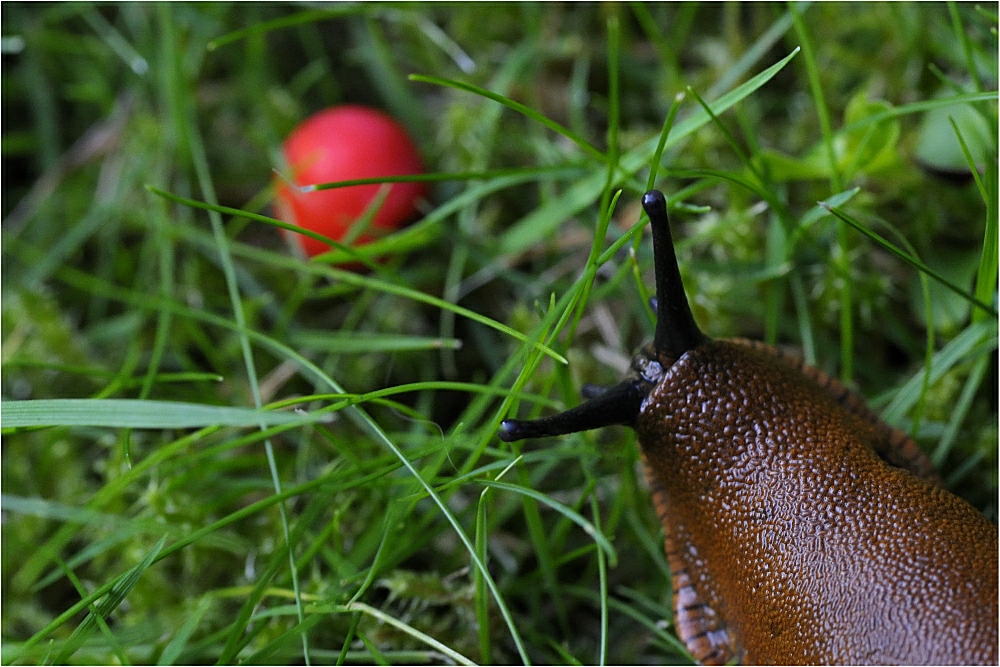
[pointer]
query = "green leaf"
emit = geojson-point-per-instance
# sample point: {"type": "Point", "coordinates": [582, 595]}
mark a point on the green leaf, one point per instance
{"type": "Point", "coordinates": [869, 149]}
{"type": "Point", "coordinates": [865, 146]}
{"type": "Point", "coordinates": [939, 148]}
{"type": "Point", "coordinates": [783, 168]}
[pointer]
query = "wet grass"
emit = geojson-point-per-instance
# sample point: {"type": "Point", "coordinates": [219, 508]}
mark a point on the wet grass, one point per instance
{"type": "Point", "coordinates": [141, 263]}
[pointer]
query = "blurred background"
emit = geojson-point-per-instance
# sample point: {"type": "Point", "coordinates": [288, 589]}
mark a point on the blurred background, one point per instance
{"type": "Point", "coordinates": [111, 289]}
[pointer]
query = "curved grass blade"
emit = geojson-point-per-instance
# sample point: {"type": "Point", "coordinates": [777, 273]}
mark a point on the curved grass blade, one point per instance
{"type": "Point", "coordinates": [429, 227]}
{"type": "Point", "coordinates": [366, 282]}
{"type": "Point", "coordinates": [917, 107]}
{"type": "Point", "coordinates": [257, 217]}
{"type": "Point", "coordinates": [567, 512]}
{"type": "Point", "coordinates": [284, 22]}
{"type": "Point", "coordinates": [544, 221]}
{"type": "Point", "coordinates": [912, 261]}
{"type": "Point", "coordinates": [408, 629]}
{"type": "Point", "coordinates": [587, 147]}
{"type": "Point", "coordinates": [437, 177]}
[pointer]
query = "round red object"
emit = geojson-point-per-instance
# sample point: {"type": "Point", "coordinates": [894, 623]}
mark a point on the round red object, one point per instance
{"type": "Point", "coordinates": [340, 144]}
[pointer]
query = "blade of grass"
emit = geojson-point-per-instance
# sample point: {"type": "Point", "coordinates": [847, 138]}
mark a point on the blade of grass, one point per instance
{"type": "Point", "coordinates": [440, 177]}
{"type": "Point", "coordinates": [127, 413]}
{"type": "Point", "coordinates": [806, 338]}
{"type": "Point", "coordinates": [241, 631]}
{"type": "Point", "coordinates": [542, 222]}
{"type": "Point", "coordinates": [163, 248]}
{"type": "Point", "coordinates": [915, 263]}
{"type": "Point", "coordinates": [351, 633]}
{"type": "Point", "coordinates": [264, 27]}
{"type": "Point", "coordinates": [353, 399]}
{"type": "Point", "coordinates": [976, 339]}
{"type": "Point", "coordinates": [101, 373]}
{"type": "Point", "coordinates": [760, 48]}
{"type": "Point", "coordinates": [819, 99]}
{"type": "Point", "coordinates": [126, 531]}
{"type": "Point", "coordinates": [668, 124]}
{"type": "Point", "coordinates": [650, 624]}
{"type": "Point", "coordinates": [960, 410]}
{"type": "Point", "coordinates": [961, 471]}
{"type": "Point", "coordinates": [375, 654]}
{"type": "Point", "coordinates": [575, 517]}
{"type": "Point", "coordinates": [392, 517]}
{"type": "Point", "coordinates": [190, 134]}
{"type": "Point", "coordinates": [963, 39]}
{"type": "Point", "coordinates": [113, 490]}
{"type": "Point", "coordinates": [917, 107]}
{"type": "Point", "coordinates": [116, 596]}
{"type": "Point", "coordinates": [730, 139]}
{"type": "Point", "coordinates": [440, 39]}
{"type": "Point", "coordinates": [139, 300]}
{"type": "Point", "coordinates": [482, 600]}
{"type": "Point", "coordinates": [356, 280]}
{"type": "Point", "coordinates": [345, 343]}
{"type": "Point", "coordinates": [526, 358]}
{"type": "Point", "coordinates": [665, 50]}
{"type": "Point", "coordinates": [602, 572]}
{"type": "Point", "coordinates": [270, 221]}
{"type": "Point", "coordinates": [929, 345]}
{"type": "Point", "coordinates": [841, 258]}
{"type": "Point", "coordinates": [263, 656]}
{"type": "Point", "coordinates": [431, 226]}
{"type": "Point", "coordinates": [585, 145]}
{"type": "Point", "coordinates": [609, 198]}
{"type": "Point", "coordinates": [112, 641]}
{"type": "Point", "coordinates": [482, 597]}
{"type": "Point", "coordinates": [399, 625]}
{"type": "Point", "coordinates": [377, 57]}
{"type": "Point", "coordinates": [968, 157]}
{"type": "Point", "coordinates": [564, 654]}
{"type": "Point", "coordinates": [986, 277]}
{"type": "Point", "coordinates": [992, 16]}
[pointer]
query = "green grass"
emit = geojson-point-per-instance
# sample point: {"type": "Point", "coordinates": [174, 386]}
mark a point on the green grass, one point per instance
{"type": "Point", "coordinates": [390, 525]}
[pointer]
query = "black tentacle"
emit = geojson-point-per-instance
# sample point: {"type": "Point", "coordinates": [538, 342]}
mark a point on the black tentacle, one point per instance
{"type": "Point", "coordinates": [617, 405]}
{"type": "Point", "coordinates": [676, 330]}
{"type": "Point", "coordinates": [676, 333]}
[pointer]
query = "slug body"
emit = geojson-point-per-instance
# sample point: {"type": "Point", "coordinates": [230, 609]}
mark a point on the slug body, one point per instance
{"type": "Point", "coordinates": [799, 527]}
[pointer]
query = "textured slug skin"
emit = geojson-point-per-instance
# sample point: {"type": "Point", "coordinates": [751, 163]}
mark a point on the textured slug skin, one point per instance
{"type": "Point", "coordinates": [790, 540]}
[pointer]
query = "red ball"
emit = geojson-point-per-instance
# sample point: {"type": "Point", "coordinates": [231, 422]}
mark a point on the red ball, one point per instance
{"type": "Point", "coordinates": [340, 144]}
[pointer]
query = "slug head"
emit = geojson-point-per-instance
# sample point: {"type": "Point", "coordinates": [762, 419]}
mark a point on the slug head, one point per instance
{"type": "Point", "coordinates": [676, 333]}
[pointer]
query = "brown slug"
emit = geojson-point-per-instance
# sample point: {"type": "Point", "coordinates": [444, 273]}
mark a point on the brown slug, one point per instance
{"type": "Point", "coordinates": [799, 527]}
